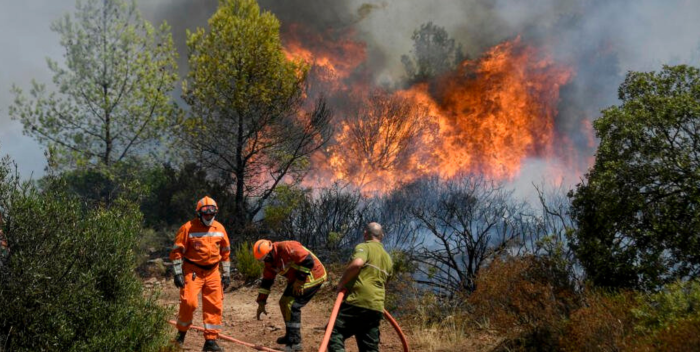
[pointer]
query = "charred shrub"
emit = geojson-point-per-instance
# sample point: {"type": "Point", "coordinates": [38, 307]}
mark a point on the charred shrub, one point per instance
{"type": "Point", "coordinates": [527, 298]}
{"type": "Point", "coordinates": [602, 324]}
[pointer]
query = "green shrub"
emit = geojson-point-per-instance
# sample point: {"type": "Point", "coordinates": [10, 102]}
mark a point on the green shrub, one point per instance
{"type": "Point", "coordinates": [669, 320]}
{"type": "Point", "coordinates": [248, 266]}
{"type": "Point", "coordinates": [70, 284]}
{"type": "Point", "coordinates": [676, 302]}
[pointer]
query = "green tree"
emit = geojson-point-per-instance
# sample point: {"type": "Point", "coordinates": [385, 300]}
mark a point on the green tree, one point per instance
{"type": "Point", "coordinates": [70, 283]}
{"type": "Point", "coordinates": [111, 100]}
{"type": "Point", "coordinates": [246, 100]}
{"type": "Point", "coordinates": [638, 208]}
{"type": "Point", "coordinates": [434, 53]}
{"type": "Point", "coordinates": [173, 195]}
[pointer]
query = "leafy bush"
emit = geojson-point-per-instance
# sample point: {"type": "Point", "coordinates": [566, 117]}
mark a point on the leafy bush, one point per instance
{"type": "Point", "coordinates": [248, 266]}
{"type": "Point", "coordinates": [676, 302]}
{"type": "Point", "coordinates": [70, 284]}
{"type": "Point", "coordinates": [153, 246]}
{"type": "Point", "coordinates": [670, 319]}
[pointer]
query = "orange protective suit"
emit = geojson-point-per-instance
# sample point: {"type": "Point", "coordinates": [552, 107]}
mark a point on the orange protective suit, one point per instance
{"type": "Point", "coordinates": [296, 263]}
{"type": "Point", "coordinates": [199, 249]}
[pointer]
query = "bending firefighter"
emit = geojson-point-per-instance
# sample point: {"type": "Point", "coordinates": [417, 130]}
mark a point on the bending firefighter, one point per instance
{"type": "Point", "coordinates": [364, 279]}
{"type": "Point", "coordinates": [304, 273]}
{"type": "Point", "coordinates": [200, 245]}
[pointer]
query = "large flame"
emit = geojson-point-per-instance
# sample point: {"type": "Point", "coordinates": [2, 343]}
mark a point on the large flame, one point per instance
{"type": "Point", "coordinates": [486, 117]}
{"type": "Point", "coordinates": [499, 110]}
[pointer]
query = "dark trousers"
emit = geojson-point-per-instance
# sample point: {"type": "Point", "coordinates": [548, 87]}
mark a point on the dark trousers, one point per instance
{"type": "Point", "coordinates": [359, 322]}
{"type": "Point", "coordinates": [290, 306]}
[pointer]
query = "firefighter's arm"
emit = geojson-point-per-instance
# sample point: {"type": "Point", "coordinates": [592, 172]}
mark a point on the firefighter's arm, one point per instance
{"type": "Point", "coordinates": [264, 289]}
{"type": "Point", "coordinates": [266, 283]}
{"type": "Point", "coordinates": [178, 250]}
{"type": "Point", "coordinates": [350, 273]}
{"type": "Point", "coordinates": [225, 252]}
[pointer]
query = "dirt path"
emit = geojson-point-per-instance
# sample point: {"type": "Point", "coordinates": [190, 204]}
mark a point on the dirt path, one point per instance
{"type": "Point", "coordinates": [239, 320]}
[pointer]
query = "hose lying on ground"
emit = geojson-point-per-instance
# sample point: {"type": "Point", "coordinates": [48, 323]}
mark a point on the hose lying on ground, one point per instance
{"type": "Point", "coordinates": [229, 338]}
{"type": "Point", "coordinates": [334, 315]}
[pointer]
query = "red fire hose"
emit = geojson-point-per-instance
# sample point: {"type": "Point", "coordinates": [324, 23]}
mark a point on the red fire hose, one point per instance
{"type": "Point", "coordinates": [229, 338]}
{"type": "Point", "coordinates": [334, 315]}
{"type": "Point", "coordinates": [398, 330]}
{"type": "Point", "coordinates": [331, 321]}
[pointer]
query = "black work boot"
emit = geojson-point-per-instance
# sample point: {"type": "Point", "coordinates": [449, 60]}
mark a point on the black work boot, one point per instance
{"type": "Point", "coordinates": [293, 341]}
{"type": "Point", "coordinates": [211, 345]}
{"type": "Point", "coordinates": [295, 347]}
{"type": "Point", "coordinates": [283, 340]}
{"type": "Point", "coordinates": [180, 339]}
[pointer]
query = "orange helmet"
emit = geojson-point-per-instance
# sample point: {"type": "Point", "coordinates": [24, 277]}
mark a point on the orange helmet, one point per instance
{"type": "Point", "coordinates": [261, 248]}
{"type": "Point", "coordinates": [207, 205]}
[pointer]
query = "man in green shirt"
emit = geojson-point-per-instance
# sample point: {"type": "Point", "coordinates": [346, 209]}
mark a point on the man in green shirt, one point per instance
{"type": "Point", "coordinates": [364, 279]}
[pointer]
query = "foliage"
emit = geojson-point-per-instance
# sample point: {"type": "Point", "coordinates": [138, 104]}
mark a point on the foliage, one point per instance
{"type": "Point", "coordinates": [153, 246]}
{"type": "Point", "coordinates": [660, 312]}
{"type": "Point", "coordinates": [112, 98]}
{"type": "Point", "coordinates": [174, 192]}
{"type": "Point", "coordinates": [70, 283]}
{"type": "Point", "coordinates": [246, 100]}
{"type": "Point", "coordinates": [248, 266]}
{"type": "Point", "coordinates": [637, 210]}
{"type": "Point", "coordinates": [102, 185]}
{"type": "Point", "coordinates": [9, 181]}
{"type": "Point", "coordinates": [681, 337]}
{"type": "Point", "coordinates": [282, 203]}
{"type": "Point", "coordinates": [526, 298]}
{"type": "Point", "coordinates": [603, 324]}
{"type": "Point", "coordinates": [433, 54]}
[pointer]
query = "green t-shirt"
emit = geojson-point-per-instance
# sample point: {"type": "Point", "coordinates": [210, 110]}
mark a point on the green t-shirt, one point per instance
{"type": "Point", "coordinates": [367, 289]}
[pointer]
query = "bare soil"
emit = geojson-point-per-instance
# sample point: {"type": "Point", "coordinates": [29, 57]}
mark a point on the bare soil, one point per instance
{"type": "Point", "coordinates": [239, 320]}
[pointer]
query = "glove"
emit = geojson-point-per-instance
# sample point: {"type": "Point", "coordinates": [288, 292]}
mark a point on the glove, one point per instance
{"type": "Point", "coordinates": [261, 309]}
{"type": "Point", "coordinates": [298, 288]}
{"type": "Point", "coordinates": [226, 281]}
{"type": "Point", "coordinates": [179, 281]}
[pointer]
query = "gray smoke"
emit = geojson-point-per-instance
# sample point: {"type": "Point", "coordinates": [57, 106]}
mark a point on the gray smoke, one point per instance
{"type": "Point", "coordinates": [601, 39]}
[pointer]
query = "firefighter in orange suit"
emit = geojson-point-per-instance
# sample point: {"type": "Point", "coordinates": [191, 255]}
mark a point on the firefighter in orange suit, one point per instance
{"type": "Point", "coordinates": [304, 273]}
{"type": "Point", "coordinates": [200, 245]}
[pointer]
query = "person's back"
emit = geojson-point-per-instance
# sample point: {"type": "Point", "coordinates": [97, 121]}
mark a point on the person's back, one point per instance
{"type": "Point", "coordinates": [305, 274]}
{"type": "Point", "coordinates": [367, 290]}
{"type": "Point", "coordinates": [364, 279]}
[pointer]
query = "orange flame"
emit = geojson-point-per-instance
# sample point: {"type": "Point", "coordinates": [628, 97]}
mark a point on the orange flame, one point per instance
{"type": "Point", "coordinates": [499, 110]}
{"type": "Point", "coordinates": [486, 117]}
{"type": "Point", "coordinates": [332, 60]}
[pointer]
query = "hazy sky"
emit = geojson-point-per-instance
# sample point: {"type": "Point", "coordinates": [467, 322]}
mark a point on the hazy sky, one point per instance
{"type": "Point", "coordinates": [643, 34]}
